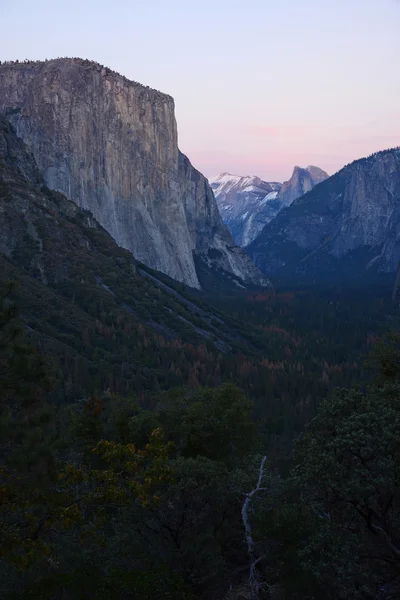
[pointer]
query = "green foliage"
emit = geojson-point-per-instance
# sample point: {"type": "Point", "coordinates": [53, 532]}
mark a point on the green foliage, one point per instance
{"type": "Point", "coordinates": [348, 470]}
{"type": "Point", "coordinates": [385, 359]}
{"type": "Point", "coordinates": [88, 581]}
{"type": "Point", "coordinates": [331, 527]}
{"type": "Point", "coordinates": [27, 433]}
{"type": "Point", "coordinates": [109, 497]}
{"type": "Point", "coordinates": [214, 423]}
{"type": "Point", "coordinates": [22, 372]}
{"type": "Point", "coordinates": [162, 519]}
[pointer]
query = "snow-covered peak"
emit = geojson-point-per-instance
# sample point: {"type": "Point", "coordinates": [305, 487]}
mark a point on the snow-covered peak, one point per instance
{"type": "Point", "coordinates": [244, 204]}
{"type": "Point", "coordinates": [224, 177]}
{"type": "Point", "coordinates": [227, 183]}
{"type": "Point", "coordinates": [248, 203]}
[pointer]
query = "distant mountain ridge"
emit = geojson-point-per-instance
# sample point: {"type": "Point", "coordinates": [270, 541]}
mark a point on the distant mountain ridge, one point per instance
{"type": "Point", "coordinates": [245, 204]}
{"type": "Point", "coordinates": [248, 203]}
{"type": "Point", "coordinates": [226, 183]}
{"type": "Point", "coordinates": [347, 225]}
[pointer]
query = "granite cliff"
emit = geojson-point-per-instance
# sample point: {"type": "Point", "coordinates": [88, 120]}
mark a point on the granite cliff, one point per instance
{"type": "Point", "coordinates": [347, 226]}
{"type": "Point", "coordinates": [110, 145]}
{"type": "Point", "coordinates": [247, 204]}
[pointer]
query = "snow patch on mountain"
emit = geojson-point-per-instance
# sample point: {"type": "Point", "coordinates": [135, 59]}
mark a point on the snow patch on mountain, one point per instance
{"type": "Point", "coordinates": [243, 202]}
{"type": "Point", "coordinates": [248, 203]}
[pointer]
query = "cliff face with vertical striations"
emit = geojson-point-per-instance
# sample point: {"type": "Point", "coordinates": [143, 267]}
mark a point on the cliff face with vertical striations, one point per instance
{"type": "Point", "coordinates": [110, 145]}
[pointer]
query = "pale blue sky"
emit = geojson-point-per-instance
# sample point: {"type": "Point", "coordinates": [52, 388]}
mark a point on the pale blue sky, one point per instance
{"type": "Point", "coordinates": [259, 85]}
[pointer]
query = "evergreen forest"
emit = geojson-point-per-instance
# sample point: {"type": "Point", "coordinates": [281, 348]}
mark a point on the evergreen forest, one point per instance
{"type": "Point", "coordinates": [262, 464]}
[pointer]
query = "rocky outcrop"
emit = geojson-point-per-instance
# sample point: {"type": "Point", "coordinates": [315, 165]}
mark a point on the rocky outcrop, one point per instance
{"type": "Point", "coordinates": [110, 145]}
{"type": "Point", "coordinates": [301, 182]}
{"type": "Point", "coordinates": [345, 226]}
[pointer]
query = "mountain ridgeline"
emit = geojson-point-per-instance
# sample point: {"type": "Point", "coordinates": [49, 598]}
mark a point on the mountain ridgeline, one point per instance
{"type": "Point", "coordinates": [247, 204]}
{"type": "Point", "coordinates": [110, 145]}
{"type": "Point", "coordinates": [346, 227]}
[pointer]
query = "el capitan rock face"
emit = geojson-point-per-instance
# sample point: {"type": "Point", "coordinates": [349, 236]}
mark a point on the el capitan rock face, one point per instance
{"type": "Point", "coordinates": [346, 226]}
{"type": "Point", "coordinates": [247, 204]}
{"type": "Point", "coordinates": [110, 145]}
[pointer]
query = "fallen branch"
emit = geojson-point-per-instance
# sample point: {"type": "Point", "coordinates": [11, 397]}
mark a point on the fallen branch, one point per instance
{"type": "Point", "coordinates": [256, 584]}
